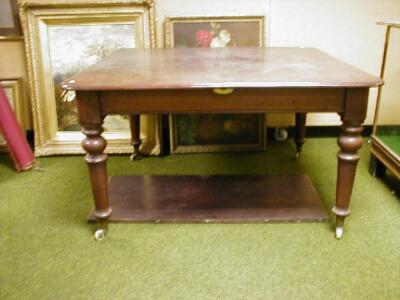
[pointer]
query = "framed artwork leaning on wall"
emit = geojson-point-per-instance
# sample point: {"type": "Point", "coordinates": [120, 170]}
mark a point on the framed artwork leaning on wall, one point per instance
{"type": "Point", "coordinates": [13, 90]}
{"type": "Point", "coordinates": [9, 19]}
{"type": "Point", "coordinates": [215, 132]}
{"type": "Point", "coordinates": [63, 37]}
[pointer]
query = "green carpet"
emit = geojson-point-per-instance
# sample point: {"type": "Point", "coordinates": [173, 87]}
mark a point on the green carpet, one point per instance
{"type": "Point", "coordinates": [47, 250]}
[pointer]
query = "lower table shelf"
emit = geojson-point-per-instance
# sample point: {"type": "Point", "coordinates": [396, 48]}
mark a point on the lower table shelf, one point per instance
{"type": "Point", "coordinates": [222, 199]}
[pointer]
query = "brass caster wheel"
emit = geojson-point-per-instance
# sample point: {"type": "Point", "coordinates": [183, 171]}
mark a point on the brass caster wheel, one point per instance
{"type": "Point", "coordinates": [135, 156]}
{"type": "Point", "coordinates": [298, 154]}
{"type": "Point", "coordinates": [280, 134]}
{"type": "Point", "coordinates": [37, 167]}
{"type": "Point", "coordinates": [339, 232]}
{"type": "Point", "coordinates": [100, 234]}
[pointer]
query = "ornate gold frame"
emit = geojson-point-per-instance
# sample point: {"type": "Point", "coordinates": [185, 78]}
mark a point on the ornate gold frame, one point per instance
{"type": "Point", "coordinates": [11, 38]}
{"type": "Point", "coordinates": [169, 42]}
{"type": "Point", "coordinates": [36, 17]}
{"type": "Point", "coordinates": [16, 85]}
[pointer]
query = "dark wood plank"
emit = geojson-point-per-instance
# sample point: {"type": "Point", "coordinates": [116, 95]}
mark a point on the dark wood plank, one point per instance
{"type": "Point", "coordinates": [182, 68]}
{"type": "Point", "coordinates": [241, 100]}
{"type": "Point", "coordinates": [215, 199]}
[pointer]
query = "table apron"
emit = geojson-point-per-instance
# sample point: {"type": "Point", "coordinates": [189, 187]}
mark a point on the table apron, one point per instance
{"type": "Point", "coordinates": [207, 101]}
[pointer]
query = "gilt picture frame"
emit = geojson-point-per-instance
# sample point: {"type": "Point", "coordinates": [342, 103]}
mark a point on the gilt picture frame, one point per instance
{"type": "Point", "coordinates": [10, 26]}
{"type": "Point", "coordinates": [62, 37]}
{"type": "Point", "coordinates": [215, 132]}
{"type": "Point", "coordinates": [13, 90]}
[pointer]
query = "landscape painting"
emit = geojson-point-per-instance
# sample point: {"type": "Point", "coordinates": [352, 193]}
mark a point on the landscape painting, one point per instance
{"type": "Point", "coordinates": [74, 48]}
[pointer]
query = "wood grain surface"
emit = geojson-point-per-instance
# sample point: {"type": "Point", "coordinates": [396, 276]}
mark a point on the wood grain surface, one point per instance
{"type": "Point", "coordinates": [220, 198]}
{"type": "Point", "coordinates": [182, 68]}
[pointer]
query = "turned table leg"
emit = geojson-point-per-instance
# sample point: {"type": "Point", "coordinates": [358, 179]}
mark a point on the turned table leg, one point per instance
{"type": "Point", "coordinates": [135, 136]}
{"type": "Point", "coordinates": [94, 144]}
{"type": "Point", "coordinates": [350, 141]}
{"type": "Point", "coordinates": [300, 132]}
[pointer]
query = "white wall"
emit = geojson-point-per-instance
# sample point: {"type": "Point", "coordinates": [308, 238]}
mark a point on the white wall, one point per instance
{"type": "Point", "coordinates": [343, 28]}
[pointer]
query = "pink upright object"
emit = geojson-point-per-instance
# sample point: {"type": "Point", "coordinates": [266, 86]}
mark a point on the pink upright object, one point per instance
{"type": "Point", "coordinates": [17, 145]}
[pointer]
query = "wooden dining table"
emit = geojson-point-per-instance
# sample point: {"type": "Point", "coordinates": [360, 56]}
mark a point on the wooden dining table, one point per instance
{"type": "Point", "coordinates": [222, 80]}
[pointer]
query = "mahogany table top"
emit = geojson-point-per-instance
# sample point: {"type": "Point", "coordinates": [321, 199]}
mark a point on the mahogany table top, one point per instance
{"type": "Point", "coordinates": [182, 68]}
